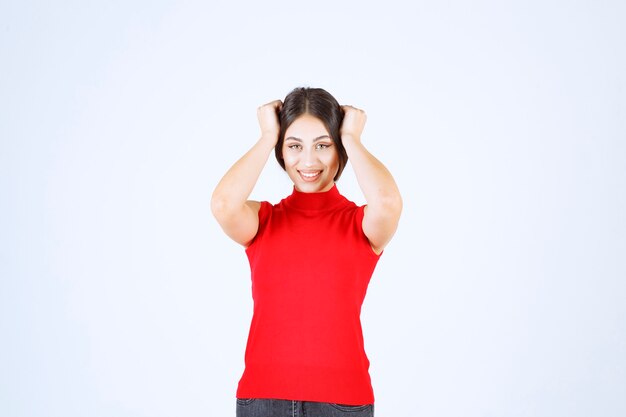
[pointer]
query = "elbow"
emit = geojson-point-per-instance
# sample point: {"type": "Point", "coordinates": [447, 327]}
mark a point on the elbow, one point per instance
{"type": "Point", "coordinates": [395, 205]}
{"type": "Point", "coordinates": [391, 204]}
{"type": "Point", "coordinates": [220, 206]}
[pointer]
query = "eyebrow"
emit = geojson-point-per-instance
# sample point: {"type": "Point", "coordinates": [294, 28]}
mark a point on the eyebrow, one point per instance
{"type": "Point", "coordinates": [314, 140]}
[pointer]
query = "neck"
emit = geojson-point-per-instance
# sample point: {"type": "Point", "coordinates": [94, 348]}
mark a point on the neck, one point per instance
{"type": "Point", "coordinates": [323, 200]}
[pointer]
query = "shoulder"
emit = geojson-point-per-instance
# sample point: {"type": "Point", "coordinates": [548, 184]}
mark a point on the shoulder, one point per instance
{"type": "Point", "coordinates": [262, 208]}
{"type": "Point", "coordinates": [254, 205]}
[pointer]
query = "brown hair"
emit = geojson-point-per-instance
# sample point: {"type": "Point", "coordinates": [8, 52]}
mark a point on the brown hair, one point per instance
{"type": "Point", "coordinates": [318, 103]}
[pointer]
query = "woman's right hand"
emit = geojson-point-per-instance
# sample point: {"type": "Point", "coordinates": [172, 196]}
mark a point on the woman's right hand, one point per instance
{"type": "Point", "coordinates": [238, 216]}
{"type": "Point", "coordinates": [268, 119]}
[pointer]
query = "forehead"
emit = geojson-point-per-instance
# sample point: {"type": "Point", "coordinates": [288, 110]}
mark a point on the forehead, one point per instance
{"type": "Point", "coordinates": [306, 127]}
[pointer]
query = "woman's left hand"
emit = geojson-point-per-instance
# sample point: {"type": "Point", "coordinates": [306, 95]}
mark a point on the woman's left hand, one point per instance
{"type": "Point", "coordinates": [384, 204]}
{"type": "Point", "coordinates": [353, 122]}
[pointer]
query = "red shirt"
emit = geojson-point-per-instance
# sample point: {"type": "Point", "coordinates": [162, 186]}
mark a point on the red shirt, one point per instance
{"type": "Point", "coordinates": [311, 265]}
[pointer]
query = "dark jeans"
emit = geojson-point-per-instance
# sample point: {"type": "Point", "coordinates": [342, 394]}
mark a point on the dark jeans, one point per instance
{"type": "Point", "coordinates": [256, 407]}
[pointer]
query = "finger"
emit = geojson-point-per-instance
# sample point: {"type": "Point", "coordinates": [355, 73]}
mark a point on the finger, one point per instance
{"type": "Point", "coordinates": [273, 103]}
{"type": "Point", "coordinates": [351, 109]}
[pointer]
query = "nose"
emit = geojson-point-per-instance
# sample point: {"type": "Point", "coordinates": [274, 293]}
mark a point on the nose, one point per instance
{"type": "Point", "coordinates": [309, 158]}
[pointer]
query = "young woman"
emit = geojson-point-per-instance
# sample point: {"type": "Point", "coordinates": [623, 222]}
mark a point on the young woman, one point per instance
{"type": "Point", "coordinates": [311, 258]}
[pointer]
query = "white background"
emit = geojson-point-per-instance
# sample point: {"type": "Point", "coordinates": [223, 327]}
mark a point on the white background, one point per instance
{"type": "Point", "coordinates": [504, 124]}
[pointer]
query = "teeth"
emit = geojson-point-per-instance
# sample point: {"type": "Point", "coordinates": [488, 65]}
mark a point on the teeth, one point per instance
{"type": "Point", "coordinates": [309, 175]}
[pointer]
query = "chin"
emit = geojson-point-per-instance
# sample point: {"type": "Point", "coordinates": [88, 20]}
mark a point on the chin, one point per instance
{"type": "Point", "coordinates": [307, 188]}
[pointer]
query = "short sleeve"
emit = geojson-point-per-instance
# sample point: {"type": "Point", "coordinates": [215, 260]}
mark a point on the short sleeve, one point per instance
{"type": "Point", "coordinates": [358, 220]}
{"type": "Point", "coordinates": [265, 212]}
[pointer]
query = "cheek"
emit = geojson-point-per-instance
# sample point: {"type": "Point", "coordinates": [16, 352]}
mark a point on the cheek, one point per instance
{"type": "Point", "coordinates": [332, 159]}
{"type": "Point", "coordinates": [289, 157]}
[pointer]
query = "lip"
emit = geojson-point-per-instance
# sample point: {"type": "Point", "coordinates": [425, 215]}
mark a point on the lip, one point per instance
{"type": "Point", "coordinates": [310, 175]}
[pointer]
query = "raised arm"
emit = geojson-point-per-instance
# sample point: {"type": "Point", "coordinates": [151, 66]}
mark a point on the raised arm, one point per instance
{"type": "Point", "coordinates": [238, 216]}
{"type": "Point", "coordinates": [384, 203]}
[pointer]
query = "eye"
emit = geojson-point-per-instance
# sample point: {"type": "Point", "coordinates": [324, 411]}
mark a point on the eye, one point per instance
{"type": "Point", "coordinates": [322, 146]}
{"type": "Point", "coordinates": [295, 146]}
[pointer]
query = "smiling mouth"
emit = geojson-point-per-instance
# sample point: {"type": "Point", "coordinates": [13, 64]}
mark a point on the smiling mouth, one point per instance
{"type": "Point", "coordinates": [309, 175]}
